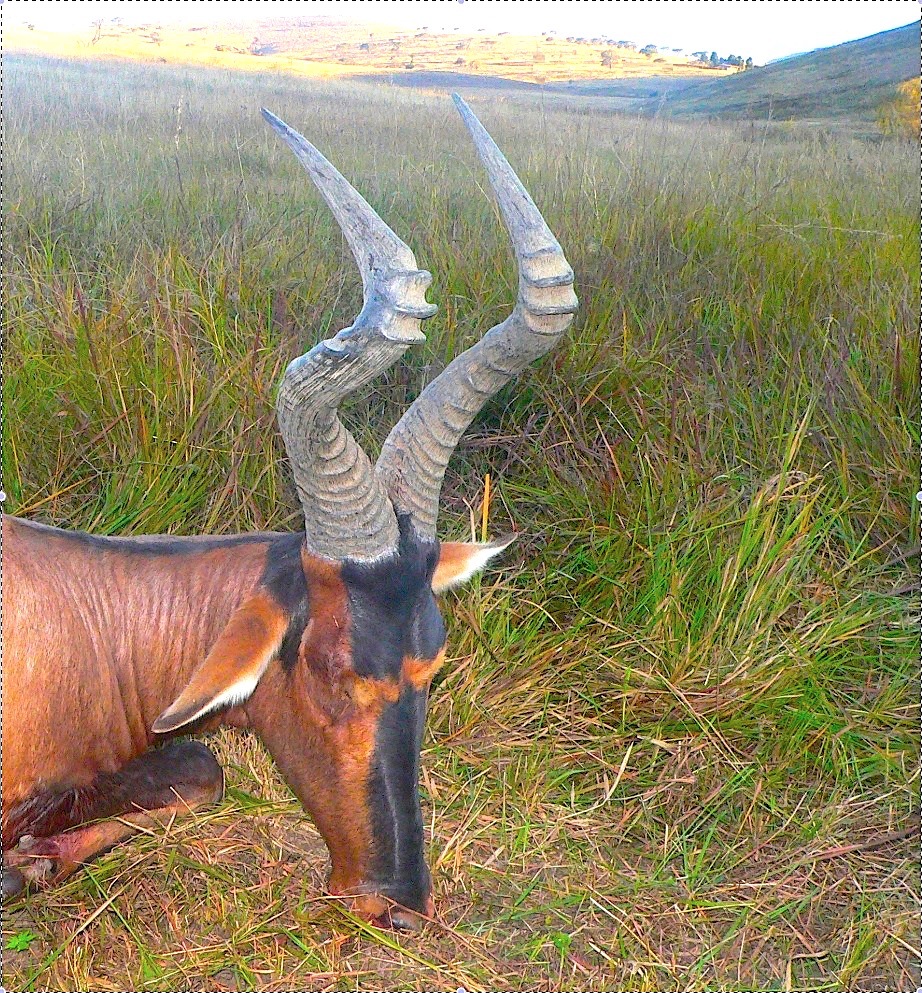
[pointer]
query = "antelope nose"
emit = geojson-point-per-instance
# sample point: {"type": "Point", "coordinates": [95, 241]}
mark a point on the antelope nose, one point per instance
{"type": "Point", "coordinates": [407, 920]}
{"type": "Point", "coordinates": [410, 920]}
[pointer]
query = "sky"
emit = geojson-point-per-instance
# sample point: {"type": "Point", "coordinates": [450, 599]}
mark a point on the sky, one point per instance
{"type": "Point", "coordinates": [762, 29]}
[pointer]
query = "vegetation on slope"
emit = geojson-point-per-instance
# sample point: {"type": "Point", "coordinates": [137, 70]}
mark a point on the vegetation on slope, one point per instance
{"type": "Point", "coordinates": [901, 115]}
{"type": "Point", "coordinates": [850, 80]}
{"type": "Point", "coordinates": [676, 745]}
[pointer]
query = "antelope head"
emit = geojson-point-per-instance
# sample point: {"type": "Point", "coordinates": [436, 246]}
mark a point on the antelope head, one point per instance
{"type": "Point", "coordinates": [357, 632]}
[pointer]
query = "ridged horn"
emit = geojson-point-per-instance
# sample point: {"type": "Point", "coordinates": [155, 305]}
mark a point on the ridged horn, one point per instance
{"type": "Point", "coordinates": [416, 453]}
{"type": "Point", "coordinates": [347, 513]}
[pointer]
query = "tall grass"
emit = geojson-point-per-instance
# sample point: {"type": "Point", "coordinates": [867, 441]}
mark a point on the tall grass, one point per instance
{"type": "Point", "coordinates": [692, 688]}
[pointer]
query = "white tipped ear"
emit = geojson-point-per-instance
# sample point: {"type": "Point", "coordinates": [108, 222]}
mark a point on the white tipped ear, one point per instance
{"type": "Point", "coordinates": [234, 665]}
{"type": "Point", "coordinates": [459, 560]}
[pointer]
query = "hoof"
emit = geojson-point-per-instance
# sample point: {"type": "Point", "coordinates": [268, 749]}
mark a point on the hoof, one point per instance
{"type": "Point", "coordinates": [38, 872]}
{"type": "Point", "coordinates": [13, 883]}
{"type": "Point", "coordinates": [32, 863]}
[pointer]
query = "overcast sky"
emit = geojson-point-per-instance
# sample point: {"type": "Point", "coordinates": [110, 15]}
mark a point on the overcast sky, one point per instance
{"type": "Point", "coordinates": [764, 29]}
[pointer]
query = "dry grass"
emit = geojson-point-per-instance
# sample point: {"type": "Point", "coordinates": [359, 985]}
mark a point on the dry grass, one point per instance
{"type": "Point", "coordinates": [677, 745]}
{"type": "Point", "coordinates": [327, 48]}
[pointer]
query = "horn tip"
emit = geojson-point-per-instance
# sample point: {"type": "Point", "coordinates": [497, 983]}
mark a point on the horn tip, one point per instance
{"type": "Point", "coordinates": [276, 122]}
{"type": "Point", "coordinates": [464, 110]}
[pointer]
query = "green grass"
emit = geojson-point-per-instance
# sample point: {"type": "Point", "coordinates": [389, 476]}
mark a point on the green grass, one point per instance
{"type": "Point", "coordinates": [678, 736]}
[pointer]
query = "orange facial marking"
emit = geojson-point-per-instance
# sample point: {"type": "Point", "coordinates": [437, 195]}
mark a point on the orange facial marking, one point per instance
{"type": "Point", "coordinates": [419, 672]}
{"type": "Point", "coordinates": [367, 694]}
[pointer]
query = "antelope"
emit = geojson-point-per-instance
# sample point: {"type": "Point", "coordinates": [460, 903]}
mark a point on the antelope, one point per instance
{"type": "Point", "coordinates": [324, 642]}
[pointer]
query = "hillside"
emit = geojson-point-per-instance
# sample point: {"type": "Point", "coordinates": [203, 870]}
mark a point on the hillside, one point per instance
{"type": "Point", "coordinates": [850, 80]}
{"type": "Point", "coordinates": [320, 47]}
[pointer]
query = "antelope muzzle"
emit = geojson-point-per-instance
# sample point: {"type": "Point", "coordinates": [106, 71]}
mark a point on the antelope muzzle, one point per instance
{"type": "Point", "coordinates": [398, 870]}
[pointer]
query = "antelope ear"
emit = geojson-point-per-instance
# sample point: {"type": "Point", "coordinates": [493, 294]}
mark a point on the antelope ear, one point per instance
{"type": "Point", "coordinates": [459, 560]}
{"type": "Point", "coordinates": [230, 672]}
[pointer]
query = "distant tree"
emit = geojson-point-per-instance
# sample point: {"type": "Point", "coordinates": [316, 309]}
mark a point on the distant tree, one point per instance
{"type": "Point", "coordinates": [700, 56]}
{"type": "Point", "coordinates": [649, 50]}
{"type": "Point", "coordinates": [748, 63]}
{"type": "Point", "coordinates": [714, 59]}
{"type": "Point", "coordinates": [608, 58]}
{"type": "Point", "coordinates": [900, 116]}
{"type": "Point", "coordinates": [364, 47]}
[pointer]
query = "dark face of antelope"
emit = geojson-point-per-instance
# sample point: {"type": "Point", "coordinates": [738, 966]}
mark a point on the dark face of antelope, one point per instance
{"type": "Point", "coordinates": [397, 643]}
{"type": "Point", "coordinates": [332, 663]}
{"type": "Point", "coordinates": [343, 712]}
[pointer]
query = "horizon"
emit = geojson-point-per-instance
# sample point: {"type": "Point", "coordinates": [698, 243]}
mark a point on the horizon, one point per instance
{"type": "Point", "coordinates": [765, 30]}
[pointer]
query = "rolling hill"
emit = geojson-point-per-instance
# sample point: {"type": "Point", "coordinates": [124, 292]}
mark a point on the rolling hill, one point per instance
{"type": "Point", "coordinates": [845, 81]}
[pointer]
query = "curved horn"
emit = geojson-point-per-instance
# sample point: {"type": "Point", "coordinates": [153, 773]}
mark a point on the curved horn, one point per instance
{"type": "Point", "coordinates": [347, 513]}
{"type": "Point", "coordinates": [416, 453]}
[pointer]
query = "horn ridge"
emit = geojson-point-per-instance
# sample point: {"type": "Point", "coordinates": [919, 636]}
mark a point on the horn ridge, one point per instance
{"type": "Point", "coordinates": [347, 512]}
{"type": "Point", "coordinates": [416, 453]}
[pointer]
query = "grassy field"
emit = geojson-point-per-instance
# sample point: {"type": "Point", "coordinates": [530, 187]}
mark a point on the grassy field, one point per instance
{"type": "Point", "coordinates": [676, 746]}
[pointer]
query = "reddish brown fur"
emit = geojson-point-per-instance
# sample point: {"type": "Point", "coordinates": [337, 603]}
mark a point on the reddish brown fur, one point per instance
{"type": "Point", "coordinates": [119, 636]}
{"type": "Point", "coordinates": [320, 739]}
